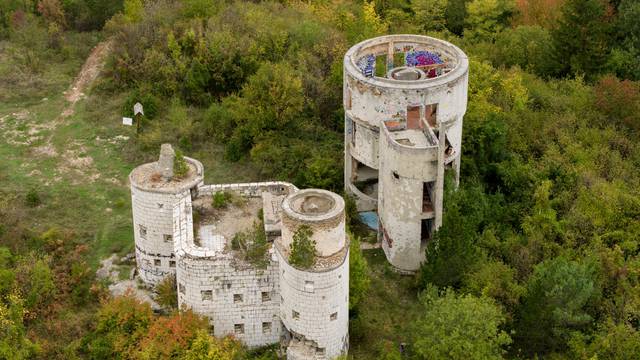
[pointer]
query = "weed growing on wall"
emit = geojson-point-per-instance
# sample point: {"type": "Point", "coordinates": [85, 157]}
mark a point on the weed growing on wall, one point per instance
{"type": "Point", "coordinates": [303, 249]}
{"type": "Point", "coordinates": [180, 168]}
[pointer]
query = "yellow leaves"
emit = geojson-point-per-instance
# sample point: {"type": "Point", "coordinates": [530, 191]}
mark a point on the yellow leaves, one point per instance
{"type": "Point", "coordinates": [493, 91]}
{"type": "Point", "coordinates": [372, 20]}
{"type": "Point", "coordinates": [517, 93]}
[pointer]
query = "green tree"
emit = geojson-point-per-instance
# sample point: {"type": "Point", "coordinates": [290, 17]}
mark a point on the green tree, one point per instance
{"type": "Point", "coordinates": [206, 347]}
{"type": "Point", "coordinates": [430, 14]}
{"type": "Point", "coordinates": [459, 327]}
{"type": "Point", "coordinates": [120, 324]}
{"type": "Point", "coordinates": [485, 18]}
{"type": "Point", "coordinates": [133, 10]}
{"type": "Point", "coordinates": [166, 294]}
{"type": "Point", "coordinates": [526, 46]}
{"type": "Point", "coordinates": [559, 295]}
{"type": "Point", "coordinates": [455, 14]}
{"type": "Point", "coordinates": [303, 248]}
{"type": "Point", "coordinates": [359, 280]}
{"type": "Point", "coordinates": [611, 341]}
{"type": "Point", "coordinates": [580, 38]}
{"type": "Point", "coordinates": [624, 56]}
{"type": "Point", "coordinates": [14, 344]}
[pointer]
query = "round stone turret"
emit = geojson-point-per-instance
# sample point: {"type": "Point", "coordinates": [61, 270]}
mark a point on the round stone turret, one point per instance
{"type": "Point", "coordinates": [315, 301]}
{"type": "Point", "coordinates": [155, 194]}
{"type": "Point", "coordinates": [323, 212]}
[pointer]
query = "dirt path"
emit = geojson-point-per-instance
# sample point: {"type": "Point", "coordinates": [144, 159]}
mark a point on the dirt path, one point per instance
{"type": "Point", "coordinates": [89, 72]}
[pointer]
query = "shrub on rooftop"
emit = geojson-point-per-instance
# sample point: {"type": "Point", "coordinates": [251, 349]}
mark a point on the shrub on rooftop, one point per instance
{"type": "Point", "coordinates": [303, 248]}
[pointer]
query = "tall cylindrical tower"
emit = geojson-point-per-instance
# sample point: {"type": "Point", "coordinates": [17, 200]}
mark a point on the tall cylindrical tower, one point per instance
{"type": "Point", "coordinates": [155, 191]}
{"type": "Point", "coordinates": [314, 302]}
{"type": "Point", "coordinates": [404, 98]}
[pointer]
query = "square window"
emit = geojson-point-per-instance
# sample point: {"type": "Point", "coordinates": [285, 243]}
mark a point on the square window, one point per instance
{"type": "Point", "coordinates": [320, 351]}
{"type": "Point", "coordinates": [167, 238]}
{"type": "Point", "coordinates": [157, 262]}
{"type": "Point", "coordinates": [181, 288]}
{"type": "Point", "coordinates": [206, 294]}
{"type": "Point", "coordinates": [333, 316]}
{"type": "Point", "coordinates": [172, 263]}
{"type": "Point", "coordinates": [266, 296]}
{"type": "Point", "coordinates": [295, 314]}
{"type": "Point", "coordinates": [237, 298]}
{"type": "Point", "coordinates": [266, 328]}
{"type": "Point", "coordinates": [308, 286]}
{"type": "Point", "coordinates": [238, 329]}
{"type": "Point", "coordinates": [143, 231]}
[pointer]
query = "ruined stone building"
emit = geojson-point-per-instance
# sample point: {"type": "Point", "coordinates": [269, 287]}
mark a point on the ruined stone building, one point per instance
{"type": "Point", "coordinates": [404, 99]}
{"type": "Point", "coordinates": [180, 231]}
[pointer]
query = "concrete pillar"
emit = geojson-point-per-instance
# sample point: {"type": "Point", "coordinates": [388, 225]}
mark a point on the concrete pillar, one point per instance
{"type": "Point", "coordinates": [437, 222]}
{"type": "Point", "coordinates": [165, 163]}
{"type": "Point", "coordinates": [390, 57]}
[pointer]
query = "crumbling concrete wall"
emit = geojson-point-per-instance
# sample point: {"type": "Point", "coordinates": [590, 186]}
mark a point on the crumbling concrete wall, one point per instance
{"type": "Point", "coordinates": [372, 100]}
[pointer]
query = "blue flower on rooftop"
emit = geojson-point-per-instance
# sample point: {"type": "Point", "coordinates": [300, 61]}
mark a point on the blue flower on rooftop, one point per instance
{"type": "Point", "coordinates": [420, 58]}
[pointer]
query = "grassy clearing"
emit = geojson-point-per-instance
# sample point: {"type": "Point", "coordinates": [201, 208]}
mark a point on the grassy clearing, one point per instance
{"type": "Point", "coordinates": [79, 166]}
{"type": "Point", "coordinates": [385, 315]}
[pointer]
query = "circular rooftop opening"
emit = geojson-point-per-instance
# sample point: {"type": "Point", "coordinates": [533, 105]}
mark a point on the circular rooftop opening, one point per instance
{"type": "Point", "coordinates": [313, 204]}
{"type": "Point", "coordinates": [402, 58]}
{"type": "Point", "coordinates": [406, 73]}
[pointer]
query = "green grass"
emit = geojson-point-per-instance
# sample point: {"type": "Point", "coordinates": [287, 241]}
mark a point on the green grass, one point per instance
{"type": "Point", "coordinates": [385, 314]}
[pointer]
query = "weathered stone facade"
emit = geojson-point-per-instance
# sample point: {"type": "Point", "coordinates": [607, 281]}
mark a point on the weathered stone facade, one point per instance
{"type": "Point", "coordinates": [178, 232]}
{"type": "Point", "coordinates": [403, 128]}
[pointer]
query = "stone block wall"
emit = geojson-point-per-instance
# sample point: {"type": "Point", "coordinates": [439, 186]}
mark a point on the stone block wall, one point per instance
{"type": "Point", "coordinates": [153, 232]}
{"type": "Point", "coordinates": [315, 306]}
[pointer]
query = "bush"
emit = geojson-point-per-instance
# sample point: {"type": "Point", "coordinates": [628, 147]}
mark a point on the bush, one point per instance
{"type": "Point", "coordinates": [180, 167]}
{"type": "Point", "coordinates": [252, 245]}
{"type": "Point", "coordinates": [220, 200]}
{"type": "Point", "coordinates": [166, 293]}
{"type": "Point", "coordinates": [303, 248]}
{"type": "Point", "coordinates": [32, 199]}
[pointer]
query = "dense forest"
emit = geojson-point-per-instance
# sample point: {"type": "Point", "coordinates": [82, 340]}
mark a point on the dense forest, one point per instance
{"type": "Point", "coordinates": [538, 255]}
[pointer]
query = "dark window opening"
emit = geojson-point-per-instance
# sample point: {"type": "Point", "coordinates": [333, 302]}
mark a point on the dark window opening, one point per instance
{"type": "Point", "coordinates": [172, 263]}
{"type": "Point", "coordinates": [413, 117]}
{"type": "Point", "coordinates": [143, 231]}
{"type": "Point", "coordinates": [206, 294]}
{"type": "Point", "coordinates": [430, 114]}
{"type": "Point", "coordinates": [425, 231]}
{"type": "Point", "coordinates": [427, 197]}
{"type": "Point", "coordinates": [333, 316]}
{"type": "Point", "coordinates": [157, 262]}
{"type": "Point", "coordinates": [238, 329]}
{"type": "Point", "coordinates": [167, 238]}
{"type": "Point", "coordinates": [237, 298]}
{"type": "Point", "coordinates": [266, 296]}
{"type": "Point", "coordinates": [395, 175]}
{"type": "Point", "coordinates": [266, 327]}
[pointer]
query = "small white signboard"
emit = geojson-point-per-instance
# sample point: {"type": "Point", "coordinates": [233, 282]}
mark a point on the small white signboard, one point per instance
{"type": "Point", "coordinates": [127, 121]}
{"type": "Point", "coordinates": [137, 109]}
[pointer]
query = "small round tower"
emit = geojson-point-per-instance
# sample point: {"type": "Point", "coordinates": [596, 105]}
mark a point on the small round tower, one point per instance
{"type": "Point", "coordinates": [155, 192]}
{"type": "Point", "coordinates": [315, 301]}
{"type": "Point", "coordinates": [405, 97]}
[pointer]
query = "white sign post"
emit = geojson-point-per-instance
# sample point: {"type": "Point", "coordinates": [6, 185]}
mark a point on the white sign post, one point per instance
{"type": "Point", "coordinates": [137, 109]}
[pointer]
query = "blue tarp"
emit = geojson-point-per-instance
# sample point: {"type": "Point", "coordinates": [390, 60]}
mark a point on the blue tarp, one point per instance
{"type": "Point", "coordinates": [370, 218]}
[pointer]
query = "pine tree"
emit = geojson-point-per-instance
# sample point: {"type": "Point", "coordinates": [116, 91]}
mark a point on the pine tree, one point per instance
{"type": "Point", "coordinates": [580, 38]}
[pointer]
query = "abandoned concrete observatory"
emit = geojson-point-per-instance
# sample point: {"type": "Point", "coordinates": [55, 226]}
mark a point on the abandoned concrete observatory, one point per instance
{"type": "Point", "coordinates": [405, 97]}
{"type": "Point", "coordinates": [261, 300]}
